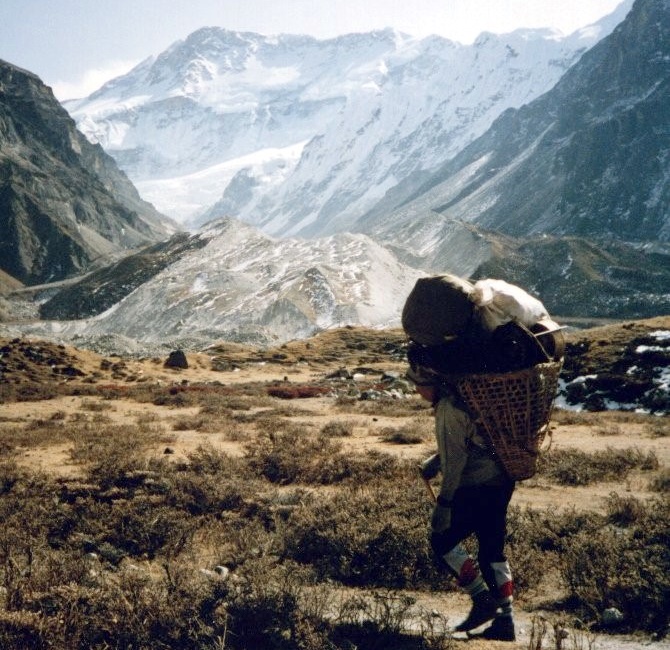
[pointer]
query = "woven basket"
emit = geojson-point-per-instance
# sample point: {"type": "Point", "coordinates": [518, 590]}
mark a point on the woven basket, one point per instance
{"type": "Point", "coordinates": [512, 412]}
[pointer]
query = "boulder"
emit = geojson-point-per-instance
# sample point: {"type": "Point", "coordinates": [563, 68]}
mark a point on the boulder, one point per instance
{"type": "Point", "coordinates": [176, 359]}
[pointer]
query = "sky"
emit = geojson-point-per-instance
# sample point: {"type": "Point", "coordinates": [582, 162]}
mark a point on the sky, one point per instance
{"type": "Point", "coordinates": [74, 46]}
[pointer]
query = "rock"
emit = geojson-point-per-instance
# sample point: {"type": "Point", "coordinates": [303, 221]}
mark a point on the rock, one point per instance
{"type": "Point", "coordinates": [612, 617]}
{"type": "Point", "coordinates": [222, 571]}
{"type": "Point", "coordinates": [176, 359]}
{"type": "Point", "coordinates": [340, 373]}
{"type": "Point", "coordinates": [219, 573]}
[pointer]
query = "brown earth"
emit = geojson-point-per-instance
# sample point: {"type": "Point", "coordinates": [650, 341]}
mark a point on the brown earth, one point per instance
{"type": "Point", "coordinates": [34, 366]}
{"type": "Point", "coordinates": [46, 378]}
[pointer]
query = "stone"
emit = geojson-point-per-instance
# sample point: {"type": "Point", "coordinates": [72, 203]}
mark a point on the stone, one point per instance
{"type": "Point", "coordinates": [176, 359]}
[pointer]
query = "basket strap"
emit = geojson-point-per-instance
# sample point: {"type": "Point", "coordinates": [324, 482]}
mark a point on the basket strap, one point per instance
{"type": "Point", "coordinates": [532, 337]}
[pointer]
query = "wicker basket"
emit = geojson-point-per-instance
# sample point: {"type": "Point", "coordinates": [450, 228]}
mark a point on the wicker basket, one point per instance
{"type": "Point", "coordinates": [512, 412]}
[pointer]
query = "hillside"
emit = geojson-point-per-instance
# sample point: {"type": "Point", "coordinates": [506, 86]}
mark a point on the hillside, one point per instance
{"type": "Point", "coordinates": [64, 204]}
{"type": "Point", "coordinates": [618, 366]}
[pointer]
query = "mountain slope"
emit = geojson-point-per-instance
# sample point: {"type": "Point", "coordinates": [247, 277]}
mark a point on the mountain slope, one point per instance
{"type": "Point", "coordinates": [63, 202]}
{"type": "Point", "coordinates": [300, 136]}
{"type": "Point", "coordinates": [232, 282]}
{"type": "Point", "coordinates": [576, 277]}
{"type": "Point", "coordinates": [100, 290]}
{"type": "Point", "coordinates": [588, 158]}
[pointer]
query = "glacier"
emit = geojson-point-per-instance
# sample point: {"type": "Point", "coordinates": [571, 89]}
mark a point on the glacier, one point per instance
{"type": "Point", "coordinates": [301, 136]}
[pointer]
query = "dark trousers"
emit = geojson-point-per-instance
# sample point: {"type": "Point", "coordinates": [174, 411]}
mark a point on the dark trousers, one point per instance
{"type": "Point", "coordinates": [480, 510]}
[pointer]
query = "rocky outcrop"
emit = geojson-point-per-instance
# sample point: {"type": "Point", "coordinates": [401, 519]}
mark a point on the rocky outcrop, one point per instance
{"type": "Point", "coordinates": [64, 204]}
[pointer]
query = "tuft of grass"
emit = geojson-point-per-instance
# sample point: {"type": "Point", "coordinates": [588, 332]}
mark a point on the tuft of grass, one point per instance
{"type": "Point", "coordinates": [575, 467]}
{"type": "Point", "coordinates": [406, 435]}
{"type": "Point", "coordinates": [659, 428]}
{"type": "Point", "coordinates": [608, 430]}
{"type": "Point", "coordinates": [624, 511]}
{"type": "Point", "coordinates": [96, 406]}
{"type": "Point", "coordinates": [661, 483]}
{"type": "Point", "coordinates": [337, 429]}
{"type": "Point", "coordinates": [297, 391]}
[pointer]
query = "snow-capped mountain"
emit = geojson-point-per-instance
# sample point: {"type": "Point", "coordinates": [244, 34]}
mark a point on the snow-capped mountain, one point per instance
{"type": "Point", "coordinates": [301, 136]}
{"type": "Point", "coordinates": [235, 283]}
{"type": "Point", "coordinates": [589, 158]}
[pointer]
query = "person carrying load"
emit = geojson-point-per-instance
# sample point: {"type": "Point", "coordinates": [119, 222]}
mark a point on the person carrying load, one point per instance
{"type": "Point", "coordinates": [483, 355]}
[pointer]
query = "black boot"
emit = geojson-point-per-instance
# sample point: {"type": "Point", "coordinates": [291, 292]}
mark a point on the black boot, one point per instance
{"type": "Point", "coordinates": [502, 629]}
{"type": "Point", "coordinates": [483, 610]}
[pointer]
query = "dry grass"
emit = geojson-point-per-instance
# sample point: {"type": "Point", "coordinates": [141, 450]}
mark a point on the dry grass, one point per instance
{"type": "Point", "coordinates": [307, 496]}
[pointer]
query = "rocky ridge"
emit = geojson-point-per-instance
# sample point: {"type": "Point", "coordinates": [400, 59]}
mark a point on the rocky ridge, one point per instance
{"type": "Point", "coordinates": [64, 204]}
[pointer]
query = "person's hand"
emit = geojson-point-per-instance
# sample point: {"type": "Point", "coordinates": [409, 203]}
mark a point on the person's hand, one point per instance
{"type": "Point", "coordinates": [430, 467]}
{"type": "Point", "coordinates": [441, 519]}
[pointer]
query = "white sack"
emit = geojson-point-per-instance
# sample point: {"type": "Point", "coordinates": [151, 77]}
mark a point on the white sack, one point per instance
{"type": "Point", "coordinates": [497, 302]}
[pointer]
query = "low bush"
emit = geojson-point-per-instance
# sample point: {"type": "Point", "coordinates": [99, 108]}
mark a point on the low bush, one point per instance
{"type": "Point", "coordinates": [112, 452]}
{"type": "Point", "coordinates": [576, 467]}
{"type": "Point", "coordinates": [390, 407]}
{"type": "Point", "coordinates": [407, 435]}
{"type": "Point", "coordinates": [34, 433]}
{"type": "Point", "coordinates": [337, 429]}
{"type": "Point", "coordinates": [376, 537]}
{"type": "Point", "coordinates": [297, 391]}
{"type": "Point", "coordinates": [624, 510]}
{"type": "Point", "coordinates": [570, 417]}
{"type": "Point", "coordinates": [659, 428]}
{"type": "Point", "coordinates": [623, 566]}
{"type": "Point", "coordinates": [537, 538]}
{"type": "Point", "coordinates": [661, 483]}
{"type": "Point", "coordinates": [297, 456]}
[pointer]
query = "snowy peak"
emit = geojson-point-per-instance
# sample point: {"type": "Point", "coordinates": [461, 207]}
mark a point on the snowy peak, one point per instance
{"type": "Point", "coordinates": [586, 158]}
{"type": "Point", "coordinates": [303, 136]}
{"type": "Point", "coordinates": [215, 66]}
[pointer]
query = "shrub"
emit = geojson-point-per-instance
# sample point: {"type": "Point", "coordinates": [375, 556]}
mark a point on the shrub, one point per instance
{"type": "Point", "coordinates": [407, 435]}
{"type": "Point", "coordinates": [569, 417]}
{"type": "Point", "coordinates": [34, 433]}
{"type": "Point", "coordinates": [626, 568]}
{"type": "Point", "coordinates": [536, 539]}
{"type": "Point", "coordinates": [291, 455]}
{"type": "Point", "coordinates": [609, 430]}
{"type": "Point", "coordinates": [659, 428]}
{"type": "Point", "coordinates": [112, 452]}
{"type": "Point", "coordinates": [389, 407]}
{"type": "Point", "coordinates": [575, 467]}
{"type": "Point", "coordinates": [188, 424]}
{"type": "Point", "coordinates": [208, 494]}
{"type": "Point", "coordinates": [365, 539]}
{"type": "Point", "coordinates": [297, 391]}
{"type": "Point", "coordinates": [661, 483]}
{"type": "Point", "coordinates": [139, 528]}
{"type": "Point", "coordinates": [624, 511]}
{"type": "Point", "coordinates": [337, 429]}
{"type": "Point", "coordinates": [95, 406]}
{"type": "Point", "coordinates": [270, 609]}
